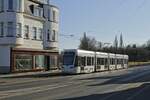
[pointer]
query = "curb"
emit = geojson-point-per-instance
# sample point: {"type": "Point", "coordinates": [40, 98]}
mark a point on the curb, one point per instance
{"type": "Point", "coordinates": [32, 74]}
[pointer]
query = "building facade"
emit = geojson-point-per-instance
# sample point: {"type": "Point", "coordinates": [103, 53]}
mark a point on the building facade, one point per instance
{"type": "Point", "coordinates": [28, 35]}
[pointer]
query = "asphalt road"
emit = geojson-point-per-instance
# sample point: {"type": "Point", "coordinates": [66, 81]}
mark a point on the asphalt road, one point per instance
{"type": "Point", "coordinates": [126, 84]}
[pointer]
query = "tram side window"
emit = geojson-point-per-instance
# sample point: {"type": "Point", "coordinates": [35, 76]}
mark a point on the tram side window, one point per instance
{"type": "Point", "coordinates": [83, 61]}
{"type": "Point", "coordinates": [102, 61]}
{"type": "Point", "coordinates": [117, 61]}
{"type": "Point", "coordinates": [114, 61]}
{"type": "Point", "coordinates": [106, 61]}
{"type": "Point", "coordinates": [98, 61]}
{"type": "Point", "coordinates": [111, 61]}
{"type": "Point", "coordinates": [122, 61]}
{"type": "Point", "coordinates": [92, 61]}
{"type": "Point", "coordinates": [125, 61]}
{"type": "Point", "coordinates": [89, 61]}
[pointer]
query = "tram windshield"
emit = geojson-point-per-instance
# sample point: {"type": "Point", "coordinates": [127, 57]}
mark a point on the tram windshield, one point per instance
{"type": "Point", "coordinates": [68, 58]}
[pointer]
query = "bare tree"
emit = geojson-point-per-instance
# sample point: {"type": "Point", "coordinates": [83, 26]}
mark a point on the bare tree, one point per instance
{"type": "Point", "coordinates": [87, 43]}
{"type": "Point", "coordinates": [84, 42]}
{"type": "Point", "coordinates": [121, 41]}
{"type": "Point", "coordinates": [116, 43]}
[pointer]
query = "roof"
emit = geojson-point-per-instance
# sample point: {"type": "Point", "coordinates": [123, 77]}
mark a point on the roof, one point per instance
{"type": "Point", "coordinates": [99, 53]}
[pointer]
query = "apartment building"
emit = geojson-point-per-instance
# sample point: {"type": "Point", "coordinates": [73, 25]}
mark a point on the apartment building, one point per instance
{"type": "Point", "coordinates": [28, 35]}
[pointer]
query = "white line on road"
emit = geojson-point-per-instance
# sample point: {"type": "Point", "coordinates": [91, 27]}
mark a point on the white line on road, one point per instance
{"type": "Point", "coordinates": [11, 93]}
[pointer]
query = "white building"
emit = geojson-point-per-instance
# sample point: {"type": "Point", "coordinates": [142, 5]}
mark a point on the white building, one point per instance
{"type": "Point", "coordinates": [28, 35]}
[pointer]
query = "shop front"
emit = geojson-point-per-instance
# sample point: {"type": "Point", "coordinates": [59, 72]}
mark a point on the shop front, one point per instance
{"type": "Point", "coordinates": [33, 60]}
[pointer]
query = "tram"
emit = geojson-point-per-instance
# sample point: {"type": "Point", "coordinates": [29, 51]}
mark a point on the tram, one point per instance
{"type": "Point", "coordinates": [81, 61]}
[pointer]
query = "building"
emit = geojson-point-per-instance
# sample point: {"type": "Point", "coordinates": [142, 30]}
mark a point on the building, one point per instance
{"type": "Point", "coordinates": [28, 35]}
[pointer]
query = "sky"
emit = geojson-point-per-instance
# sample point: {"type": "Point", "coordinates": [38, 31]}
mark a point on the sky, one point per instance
{"type": "Point", "coordinates": [103, 19]}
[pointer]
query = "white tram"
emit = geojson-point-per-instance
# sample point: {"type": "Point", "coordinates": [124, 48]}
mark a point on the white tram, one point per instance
{"type": "Point", "coordinates": [81, 61]}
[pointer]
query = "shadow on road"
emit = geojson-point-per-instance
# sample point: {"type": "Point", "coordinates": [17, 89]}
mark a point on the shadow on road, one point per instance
{"type": "Point", "coordinates": [122, 79]}
{"type": "Point", "coordinates": [140, 93]}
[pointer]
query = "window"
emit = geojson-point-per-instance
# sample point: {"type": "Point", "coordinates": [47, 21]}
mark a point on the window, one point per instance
{"type": "Point", "coordinates": [92, 61]}
{"type": "Point", "coordinates": [89, 61]}
{"type": "Point", "coordinates": [48, 2]}
{"type": "Point", "coordinates": [112, 61]}
{"type": "Point", "coordinates": [34, 33]}
{"type": "Point", "coordinates": [10, 5]}
{"type": "Point", "coordinates": [98, 61]}
{"type": "Point", "coordinates": [23, 62]}
{"type": "Point", "coordinates": [54, 16]}
{"type": "Point", "coordinates": [19, 30]}
{"type": "Point", "coordinates": [38, 11]}
{"type": "Point", "coordinates": [40, 34]}
{"type": "Point", "coordinates": [10, 29]}
{"type": "Point", "coordinates": [68, 58]}
{"type": "Point", "coordinates": [118, 61]}
{"type": "Point", "coordinates": [106, 61]}
{"type": "Point", "coordinates": [19, 3]}
{"type": "Point", "coordinates": [26, 32]}
{"type": "Point", "coordinates": [49, 16]}
{"type": "Point", "coordinates": [40, 61]}
{"type": "Point", "coordinates": [54, 35]}
{"type": "Point", "coordinates": [1, 29]}
{"type": "Point", "coordinates": [83, 61]}
{"type": "Point", "coordinates": [48, 35]}
{"type": "Point", "coordinates": [53, 61]}
{"type": "Point", "coordinates": [102, 61]}
{"type": "Point", "coordinates": [1, 5]}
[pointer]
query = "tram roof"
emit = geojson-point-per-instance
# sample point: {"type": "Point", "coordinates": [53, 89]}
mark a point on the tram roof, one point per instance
{"type": "Point", "coordinates": [93, 52]}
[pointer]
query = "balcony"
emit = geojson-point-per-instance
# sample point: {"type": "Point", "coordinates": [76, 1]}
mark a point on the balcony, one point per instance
{"type": "Point", "coordinates": [11, 41]}
{"type": "Point", "coordinates": [51, 44]}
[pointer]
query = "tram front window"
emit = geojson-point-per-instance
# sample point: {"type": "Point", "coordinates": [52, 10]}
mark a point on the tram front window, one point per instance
{"type": "Point", "coordinates": [68, 58]}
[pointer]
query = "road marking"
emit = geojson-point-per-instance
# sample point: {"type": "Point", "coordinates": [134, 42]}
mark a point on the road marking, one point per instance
{"type": "Point", "coordinates": [18, 92]}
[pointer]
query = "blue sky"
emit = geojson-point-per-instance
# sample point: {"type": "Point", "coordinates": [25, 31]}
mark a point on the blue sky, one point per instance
{"type": "Point", "coordinates": [103, 19]}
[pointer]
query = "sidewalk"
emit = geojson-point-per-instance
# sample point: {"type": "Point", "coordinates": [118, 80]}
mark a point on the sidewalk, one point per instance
{"type": "Point", "coordinates": [32, 74]}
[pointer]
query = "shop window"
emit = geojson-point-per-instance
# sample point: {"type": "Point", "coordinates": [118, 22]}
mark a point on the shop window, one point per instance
{"type": "Point", "coordinates": [40, 62]}
{"type": "Point", "coordinates": [53, 61]}
{"type": "Point", "coordinates": [23, 62]}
